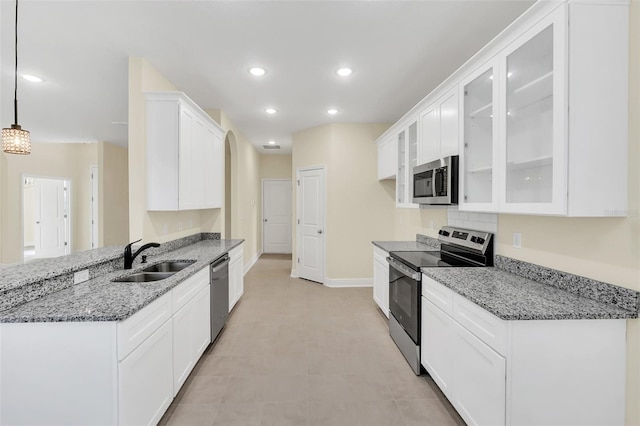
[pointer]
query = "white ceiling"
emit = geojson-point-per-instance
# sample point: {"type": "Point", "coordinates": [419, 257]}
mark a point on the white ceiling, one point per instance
{"type": "Point", "coordinates": [399, 50]}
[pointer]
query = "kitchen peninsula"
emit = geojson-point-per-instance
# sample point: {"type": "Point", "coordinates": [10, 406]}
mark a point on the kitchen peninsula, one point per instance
{"type": "Point", "coordinates": [102, 352]}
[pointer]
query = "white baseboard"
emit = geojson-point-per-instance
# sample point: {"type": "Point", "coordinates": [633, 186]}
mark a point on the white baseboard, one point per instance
{"type": "Point", "coordinates": [252, 262]}
{"type": "Point", "coordinates": [348, 282]}
{"type": "Point", "coordinates": [294, 273]}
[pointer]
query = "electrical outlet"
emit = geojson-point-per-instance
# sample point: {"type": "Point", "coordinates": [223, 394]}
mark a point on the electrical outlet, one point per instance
{"type": "Point", "coordinates": [431, 224]}
{"type": "Point", "coordinates": [179, 226]}
{"type": "Point", "coordinates": [190, 223]}
{"type": "Point", "coordinates": [165, 229]}
{"type": "Point", "coordinates": [81, 276]}
{"type": "Point", "coordinates": [517, 240]}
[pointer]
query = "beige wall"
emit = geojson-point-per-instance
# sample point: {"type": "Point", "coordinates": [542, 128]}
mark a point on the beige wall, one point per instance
{"type": "Point", "coordinates": [113, 204]}
{"type": "Point", "coordinates": [358, 208]}
{"type": "Point", "coordinates": [145, 225]}
{"type": "Point", "coordinates": [275, 166]}
{"type": "Point", "coordinates": [69, 161]}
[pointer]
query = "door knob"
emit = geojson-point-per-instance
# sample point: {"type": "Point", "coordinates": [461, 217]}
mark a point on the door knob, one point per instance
{"type": "Point", "coordinates": [265, 220]}
{"type": "Point", "coordinates": [319, 231]}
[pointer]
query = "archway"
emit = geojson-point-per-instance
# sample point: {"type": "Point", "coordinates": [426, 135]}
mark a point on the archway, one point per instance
{"type": "Point", "coordinates": [230, 156]}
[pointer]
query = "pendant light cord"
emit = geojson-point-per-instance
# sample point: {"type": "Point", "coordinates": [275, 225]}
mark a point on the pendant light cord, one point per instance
{"type": "Point", "coordinates": [15, 82]}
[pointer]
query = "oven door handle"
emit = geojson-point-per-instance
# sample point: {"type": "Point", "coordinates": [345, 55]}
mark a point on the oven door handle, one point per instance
{"type": "Point", "coordinates": [402, 268]}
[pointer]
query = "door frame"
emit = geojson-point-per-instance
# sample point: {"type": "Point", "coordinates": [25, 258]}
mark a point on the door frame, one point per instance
{"type": "Point", "coordinates": [94, 232]}
{"type": "Point", "coordinates": [262, 217]}
{"type": "Point", "coordinates": [294, 261]}
{"type": "Point", "coordinates": [68, 230]}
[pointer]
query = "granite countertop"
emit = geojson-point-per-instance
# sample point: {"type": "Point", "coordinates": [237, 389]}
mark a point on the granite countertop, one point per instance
{"type": "Point", "coordinates": [100, 299]}
{"type": "Point", "coordinates": [511, 297]}
{"type": "Point", "coordinates": [403, 246]}
{"type": "Point", "coordinates": [16, 276]}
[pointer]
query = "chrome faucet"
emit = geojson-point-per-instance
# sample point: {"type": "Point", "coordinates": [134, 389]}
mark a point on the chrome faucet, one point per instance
{"type": "Point", "coordinates": [128, 257]}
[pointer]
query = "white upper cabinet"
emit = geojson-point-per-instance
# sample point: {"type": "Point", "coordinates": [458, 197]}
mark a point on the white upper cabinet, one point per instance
{"type": "Point", "coordinates": [564, 114]}
{"type": "Point", "coordinates": [387, 158]}
{"type": "Point", "coordinates": [479, 140]}
{"type": "Point", "coordinates": [533, 157]}
{"type": "Point", "coordinates": [542, 111]}
{"type": "Point", "coordinates": [185, 156]}
{"type": "Point", "coordinates": [439, 128]}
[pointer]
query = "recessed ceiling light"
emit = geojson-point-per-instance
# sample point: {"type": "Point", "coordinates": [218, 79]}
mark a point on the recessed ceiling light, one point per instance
{"type": "Point", "coordinates": [270, 110]}
{"type": "Point", "coordinates": [257, 71]}
{"type": "Point", "coordinates": [332, 111]}
{"type": "Point", "coordinates": [32, 78]}
{"type": "Point", "coordinates": [272, 142]}
{"type": "Point", "coordinates": [344, 72]}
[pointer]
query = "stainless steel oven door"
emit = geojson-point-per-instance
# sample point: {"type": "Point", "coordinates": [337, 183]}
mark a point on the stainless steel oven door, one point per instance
{"type": "Point", "coordinates": [404, 298]}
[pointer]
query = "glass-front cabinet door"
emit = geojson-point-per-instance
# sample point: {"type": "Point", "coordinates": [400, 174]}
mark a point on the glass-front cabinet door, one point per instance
{"type": "Point", "coordinates": [479, 141]}
{"type": "Point", "coordinates": [407, 160]}
{"type": "Point", "coordinates": [533, 157]}
{"type": "Point", "coordinates": [401, 179]}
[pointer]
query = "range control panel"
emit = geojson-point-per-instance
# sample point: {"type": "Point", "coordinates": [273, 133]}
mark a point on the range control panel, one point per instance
{"type": "Point", "coordinates": [476, 240]}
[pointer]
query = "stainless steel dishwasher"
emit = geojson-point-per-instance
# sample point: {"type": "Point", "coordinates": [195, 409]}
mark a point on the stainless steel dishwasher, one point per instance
{"type": "Point", "coordinates": [219, 294]}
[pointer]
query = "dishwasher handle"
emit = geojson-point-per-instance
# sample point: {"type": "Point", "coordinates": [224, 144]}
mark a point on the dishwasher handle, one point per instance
{"type": "Point", "coordinates": [220, 263]}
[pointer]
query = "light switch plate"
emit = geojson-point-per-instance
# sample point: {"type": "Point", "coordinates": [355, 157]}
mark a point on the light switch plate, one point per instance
{"type": "Point", "coordinates": [517, 240]}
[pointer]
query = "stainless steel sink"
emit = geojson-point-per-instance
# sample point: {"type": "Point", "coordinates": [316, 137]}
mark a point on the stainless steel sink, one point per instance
{"type": "Point", "coordinates": [144, 277]}
{"type": "Point", "coordinates": [173, 266]}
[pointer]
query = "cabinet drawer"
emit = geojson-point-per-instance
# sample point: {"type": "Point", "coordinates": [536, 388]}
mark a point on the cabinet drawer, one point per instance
{"type": "Point", "coordinates": [438, 294]}
{"type": "Point", "coordinates": [484, 325]}
{"type": "Point", "coordinates": [135, 329]}
{"type": "Point", "coordinates": [186, 290]}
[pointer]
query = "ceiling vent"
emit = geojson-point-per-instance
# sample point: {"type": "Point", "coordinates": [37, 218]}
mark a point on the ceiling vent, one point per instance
{"type": "Point", "coordinates": [271, 146]}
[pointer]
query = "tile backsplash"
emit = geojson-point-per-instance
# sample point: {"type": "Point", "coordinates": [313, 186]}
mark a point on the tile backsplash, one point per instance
{"type": "Point", "coordinates": [480, 221]}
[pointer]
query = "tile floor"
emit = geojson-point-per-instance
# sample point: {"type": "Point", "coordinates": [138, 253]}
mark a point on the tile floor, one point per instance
{"type": "Point", "coordinates": [298, 353]}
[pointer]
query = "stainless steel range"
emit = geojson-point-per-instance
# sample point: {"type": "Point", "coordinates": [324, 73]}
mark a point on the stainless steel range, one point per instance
{"type": "Point", "coordinates": [458, 248]}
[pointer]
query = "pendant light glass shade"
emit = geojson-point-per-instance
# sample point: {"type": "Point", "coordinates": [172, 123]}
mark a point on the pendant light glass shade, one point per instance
{"type": "Point", "coordinates": [15, 140]}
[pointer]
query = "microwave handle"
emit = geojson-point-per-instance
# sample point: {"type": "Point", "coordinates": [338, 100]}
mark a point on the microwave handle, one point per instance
{"type": "Point", "coordinates": [438, 176]}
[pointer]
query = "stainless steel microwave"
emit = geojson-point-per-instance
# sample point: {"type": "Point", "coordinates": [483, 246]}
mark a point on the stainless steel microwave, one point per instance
{"type": "Point", "coordinates": [436, 182]}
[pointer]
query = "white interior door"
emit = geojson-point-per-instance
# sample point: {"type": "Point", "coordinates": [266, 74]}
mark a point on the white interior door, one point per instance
{"type": "Point", "coordinates": [311, 225]}
{"type": "Point", "coordinates": [276, 216]}
{"type": "Point", "coordinates": [94, 206]}
{"type": "Point", "coordinates": [50, 210]}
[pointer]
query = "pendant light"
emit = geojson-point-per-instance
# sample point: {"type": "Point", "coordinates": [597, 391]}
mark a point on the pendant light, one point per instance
{"type": "Point", "coordinates": [14, 139]}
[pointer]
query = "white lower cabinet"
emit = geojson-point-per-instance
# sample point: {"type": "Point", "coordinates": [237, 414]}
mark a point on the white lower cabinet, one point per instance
{"type": "Point", "coordinates": [437, 345]}
{"type": "Point", "coordinates": [478, 379]}
{"type": "Point", "coordinates": [236, 276]}
{"type": "Point", "coordinates": [381, 280]}
{"type": "Point", "coordinates": [529, 372]}
{"type": "Point", "coordinates": [99, 373]}
{"type": "Point", "coordinates": [191, 336]}
{"type": "Point", "coordinates": [145, 382]}
{"type": "Point", "coordinates": [469, 373]}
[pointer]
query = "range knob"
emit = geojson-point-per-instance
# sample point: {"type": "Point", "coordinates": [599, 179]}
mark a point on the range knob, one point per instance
{"type": "Point", "coordinates": [480, 240]}
{"type": "Point", "coordinates": [444, 233]}
{"type": "Point", "coordinates": [474, 239]}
